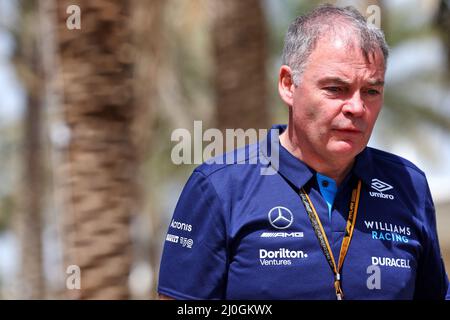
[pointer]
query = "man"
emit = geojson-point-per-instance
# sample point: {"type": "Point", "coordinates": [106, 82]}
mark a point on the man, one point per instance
{"type": "Point", "coordinates": [338, 220]}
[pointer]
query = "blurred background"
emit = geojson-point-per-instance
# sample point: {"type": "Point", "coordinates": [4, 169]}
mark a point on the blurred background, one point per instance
{"type": "Point", "coordinates": [86, 116]}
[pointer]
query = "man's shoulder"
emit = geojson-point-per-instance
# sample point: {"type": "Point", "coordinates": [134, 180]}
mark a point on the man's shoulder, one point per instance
{"type": "Point", "coordinates": [234, 162]}
{"type": "Point", "coordinates": [392, 161]}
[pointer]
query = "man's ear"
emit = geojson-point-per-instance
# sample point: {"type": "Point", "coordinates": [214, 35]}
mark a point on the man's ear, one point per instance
{"type": "Point", "coordinates": [286, 85]}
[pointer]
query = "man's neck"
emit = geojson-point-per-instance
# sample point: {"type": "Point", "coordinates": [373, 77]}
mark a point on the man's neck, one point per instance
{"type": "Point", "coordinates": [335, 169]}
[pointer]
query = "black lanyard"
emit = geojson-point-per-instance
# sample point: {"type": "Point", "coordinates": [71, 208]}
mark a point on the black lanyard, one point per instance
{"type": "Point", "coordinates": [322, 237]}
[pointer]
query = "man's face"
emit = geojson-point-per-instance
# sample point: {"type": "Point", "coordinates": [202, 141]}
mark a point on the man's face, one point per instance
{"type": "Point", "coordinates": [337, 102]}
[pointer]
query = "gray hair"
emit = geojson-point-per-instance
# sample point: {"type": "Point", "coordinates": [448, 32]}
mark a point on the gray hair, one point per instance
{"type": "Point", "coordinates": [306, 30]}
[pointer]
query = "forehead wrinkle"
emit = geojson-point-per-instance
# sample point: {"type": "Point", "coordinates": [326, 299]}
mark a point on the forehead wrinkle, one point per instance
{"type": "Point", "coordinates": [348, 63]}
{"type": "Point", "coordinates": [344, 78]}
{"type": "Point", "coordinates": [348, 68]}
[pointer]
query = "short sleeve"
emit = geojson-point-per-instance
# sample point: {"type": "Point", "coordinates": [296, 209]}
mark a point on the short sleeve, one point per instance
{"type": "Point", "coordinates": [432, 280]}
{"type": "Point", "coordinates": [194, 259]}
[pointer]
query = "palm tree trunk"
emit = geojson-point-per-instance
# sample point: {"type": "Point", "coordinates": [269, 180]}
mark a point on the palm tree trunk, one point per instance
{"type": "Point", "coordinates": [100, 160]}
{"type": "Point", "coordinates": [240, 51]}
{"type": "Point", "coordinates": [148, 29]}
{"type": "Point", "coordinates": [443, 23]}
{"type": "Point", "coordinates": [29, 221]}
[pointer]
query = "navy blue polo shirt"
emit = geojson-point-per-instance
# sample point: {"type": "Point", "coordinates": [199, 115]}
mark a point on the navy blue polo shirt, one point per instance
{"type": "Point", "coordinates": [238, 234]}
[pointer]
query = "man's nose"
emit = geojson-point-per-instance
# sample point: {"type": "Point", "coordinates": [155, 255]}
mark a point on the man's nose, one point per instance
{"type": "Point", "coordinates": [354, 106]}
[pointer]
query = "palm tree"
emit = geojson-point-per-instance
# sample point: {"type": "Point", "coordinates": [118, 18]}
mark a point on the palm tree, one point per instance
{"type": "Point", "coordinates": [443, 23]}
{"type": "Point", "coordinates": [99, 169]}
{"type": "Point", "coordinates": [148, 31]}
{"type": "Point", "coordinates": [240, 52]}
{"type": "Point", "coordinates": [29, 218]}
{"type": "Point", "coordinates": [402, 108]}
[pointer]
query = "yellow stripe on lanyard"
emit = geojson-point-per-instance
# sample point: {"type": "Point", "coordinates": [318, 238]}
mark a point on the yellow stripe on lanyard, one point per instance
{"type": "Point", "coordinates": [322, 237]}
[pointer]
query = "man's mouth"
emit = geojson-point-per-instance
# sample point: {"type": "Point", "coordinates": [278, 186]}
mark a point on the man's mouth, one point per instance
{"type": "Point", "coordinates": [348, 130]}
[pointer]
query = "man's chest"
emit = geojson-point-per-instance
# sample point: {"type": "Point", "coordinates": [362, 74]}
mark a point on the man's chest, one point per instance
{"type": "Point", "coordinates": [275, 253]}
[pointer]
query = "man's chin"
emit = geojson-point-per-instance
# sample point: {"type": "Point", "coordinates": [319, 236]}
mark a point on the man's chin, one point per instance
{"type": "Point", "coordinates": [345, 148]}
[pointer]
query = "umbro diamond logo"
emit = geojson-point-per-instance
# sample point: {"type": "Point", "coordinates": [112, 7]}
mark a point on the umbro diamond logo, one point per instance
{"type": "Point", "coordinates": [381, 187]}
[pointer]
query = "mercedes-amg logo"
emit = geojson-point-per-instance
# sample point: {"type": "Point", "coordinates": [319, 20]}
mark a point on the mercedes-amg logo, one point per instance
{"type": "Point", "coordinates": [280, 217]}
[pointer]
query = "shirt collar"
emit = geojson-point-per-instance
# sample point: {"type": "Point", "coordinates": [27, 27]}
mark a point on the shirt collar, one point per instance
{"type": "Point", "coordinates": [363, 167]}
{"type": "Point", "coordinates": [299, 173]}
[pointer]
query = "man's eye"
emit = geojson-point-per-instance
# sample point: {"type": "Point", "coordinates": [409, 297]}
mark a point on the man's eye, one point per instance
{"type": "Point", "coordinates": [333, 89]}
{"type": "Point", "coordinates": [373, 92]}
